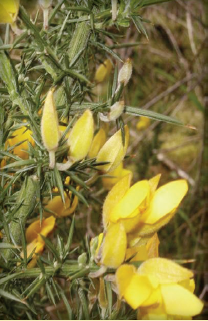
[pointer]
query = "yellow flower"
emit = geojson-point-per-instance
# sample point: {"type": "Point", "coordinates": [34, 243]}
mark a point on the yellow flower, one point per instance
{"type": "Point", "coordinates": [24, 135]}
{"type": "Point", "coordinates": [81, 136]}
{"type": "Point", "coordinates": [9, 10]}
{"type": "Point", "coordinates": [113, 151]}
{"type": "Point", "coordinates": [118, 173]}
{"type": "Point", "coordinates": [103, 71]}
{"type": "Point", "coordinates": [143, 123]}
{"type": "Point", "coordinates": [134, 214]}
{"type": "Point", "coordinates": [141, 208]}
{"type": "Point", "coordinates": [50, 127]}
{"type": "Point", "coordinates": [34, 239]}
{"type": "Point", "coordinates": [97, 143]}
{"type": "Point", "coordinates": [56, 205]}
{"type": "Point", "coordinates": [160, 288]}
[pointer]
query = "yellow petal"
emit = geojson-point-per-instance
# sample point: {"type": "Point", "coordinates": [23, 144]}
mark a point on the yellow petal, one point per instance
{"type": "Point", "coordinates": [55, 205]}
{"type": "Point", "coordinates": [127, 207]}
{"type": "Point", "coordinates": [32, 231]}
{"type": "Point", "coordinates": [124, 275]}
{"type": "Point", "coordinates": [154, 299]}
{"type": "Point", "coordinates": [70, 209]}
{"type": "Point", "coordinates": [113, 197]}
{"type": "Point", "coordinates": [49, 124]}
{"type": "Point", "coordinates": [81, 135]}
{"type": "Point", "coordinates": [179, 301]}
{"type": "Point", "coordinates": [98, 142]}
{"type": "Point", "coordinates": [38, 246]}
{"type": "Point", "coordinates": [24, 135]}
{"type": "Point", "coordinates": [47, 225]}
{"type": "Point", "coordinates": [153, 182]}
{"type": "Point", "coordinates": [37, 228]}
{"type": "Point", "coordinates": [113, 151]}
{"type": "Point", "coordinates": [165, 270]}
{"type": "Point", "coordinates": [166, 199]}
{"type": "Point", "coordinates": [114, 246]}
{"type": "Point", "coordinates": [138, 290]}
{"type": "Point", "coordinates": [103, 71]}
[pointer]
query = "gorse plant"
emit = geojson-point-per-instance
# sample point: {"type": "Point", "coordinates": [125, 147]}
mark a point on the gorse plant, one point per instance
{"type": "Point", "coordinates": [58, 137]}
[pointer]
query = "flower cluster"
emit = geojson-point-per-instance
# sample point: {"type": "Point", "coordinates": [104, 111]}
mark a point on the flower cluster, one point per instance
{"type": "Point", "coordinates": [160, 288]}
{"type": "Point", "coordinates": [132, 213]}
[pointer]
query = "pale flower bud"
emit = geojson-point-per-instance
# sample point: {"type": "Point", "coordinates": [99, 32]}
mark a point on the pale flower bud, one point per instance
{"type": "Point", "coordinates": [50, 127]}
{"type": "Point", "coordinates": [80, 137]}
{"type": "Point", "coordinates": [125, 72]}
{"type": "Point", "coordinates": [45, 5]}
{"type": "Point", "coordinates": [113, 151]}
{"type": "Point", "coordinates": [115, 111]}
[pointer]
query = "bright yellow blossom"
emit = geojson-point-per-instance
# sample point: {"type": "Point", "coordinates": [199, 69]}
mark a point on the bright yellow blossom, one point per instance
{"type": "Point", "coordinates": [9, 10]}
{"type": "Point", "coordinates": [81, 136]}
{"type": "Point", "coordinates": [118, 173]}
{"type": "Point", "coordinates": [103, 71]}
{"type": "Point", "coordinates": [56, 205]}
{"type": "Point", "coordinates": [141, 208]}
{"type": "Point", "coordinates": [160, 288]}
{"type": "Point", "coordinates": [24, 135]}
{"type": "Point", "coordinates": [34, 239]}
{"type": "Point", "coordinates": [138, 212]}
{"type": "Point", "coordinates": [113, 151]}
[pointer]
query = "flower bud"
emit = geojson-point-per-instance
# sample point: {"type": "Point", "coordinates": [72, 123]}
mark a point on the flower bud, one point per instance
{"type": "Point", "coordinates": [115, 111]}
{"type": "Point", "coordinates": [125, 72]}
{"type": "Point", "coordinates": [9, 11]}
{"type": "Point", "coordinates": [98, 142]}
{"type": "Point", "coordinates": [80, 137]}
{"type": "Point", "coordinates": [113, 151]}
{"type": "Point", "coordinates": [49, 127]}
{"type": "Point", "coordinates": [103, 71]}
